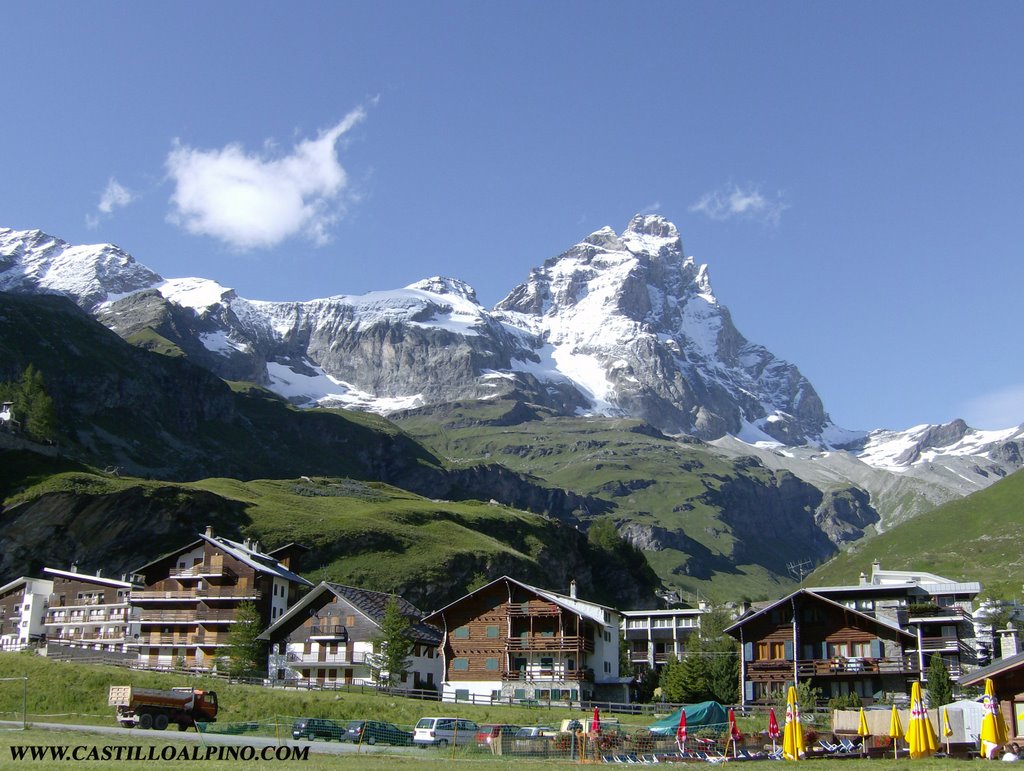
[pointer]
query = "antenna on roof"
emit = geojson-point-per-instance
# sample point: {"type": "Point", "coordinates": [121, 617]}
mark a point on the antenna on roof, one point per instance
{"type": "Point", "coordinates": [800, 570]}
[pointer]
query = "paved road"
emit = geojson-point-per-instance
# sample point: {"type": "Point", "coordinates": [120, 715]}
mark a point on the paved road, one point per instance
{"type": "Point", "coordinates": [327, 748]}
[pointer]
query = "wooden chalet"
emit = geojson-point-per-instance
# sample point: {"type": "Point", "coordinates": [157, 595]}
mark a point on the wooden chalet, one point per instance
{"type": "Point", "coordinates": [508, 641]}
{"type": "Point", "coordinates": [840, 650]}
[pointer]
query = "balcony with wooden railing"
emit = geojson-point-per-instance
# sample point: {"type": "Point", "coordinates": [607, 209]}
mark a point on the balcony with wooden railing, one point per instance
{"type": "Point", "coordinates": [168, 617]}
{"type": "Point", "coordinates": [56, 618]}
{"type": "Point", "coordinates": [549, 643]}
{"type": "Point", "coordinates": [556, 674]}
{"type": "Point", "coordinates": [229, 593]}
{"type": "Point", "coordinates": [341, 658]}
{"type": "Point", "coordinates": [934, 614]}
{"type": "Point", "coordinates": [183, 640]}
{"type": "Point", "coordinates": [526, 609]}
{"type": "Point", "coordinates": [328, 632]}
{"type": "Point", "coordinates": [774, 668]}
{"type": "Point", "coordinates": [204, 570]}
{"type": "Point", "coordinates": [175, 595]}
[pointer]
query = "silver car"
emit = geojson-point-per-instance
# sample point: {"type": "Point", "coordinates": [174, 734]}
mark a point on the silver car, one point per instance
{"type": "Point", "coordinates": [444, 731]}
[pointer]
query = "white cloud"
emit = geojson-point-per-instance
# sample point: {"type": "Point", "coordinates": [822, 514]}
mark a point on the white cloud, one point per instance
{"type": "Point", "coordinates": [651, 208]}
{"type": "Point", "coordinates": [999, 409]}
{"type": "Point", "coordinates": [734, 201]}
{"type": "Point", "coordinates": [258, 200]}
{"type": "Point", "coordinates": [114, 195]}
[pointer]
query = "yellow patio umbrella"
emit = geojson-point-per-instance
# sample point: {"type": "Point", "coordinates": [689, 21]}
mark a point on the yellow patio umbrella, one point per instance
{"type": "Point", "coordinates": [993, 726]}
{"type": "Point", "coordinates": [921, 736]}
{"type": "Point", "coordinates": [895, 730]}
{"type": "Point", "coordinates": [947, 729]}
{"type": "Point", "coordinates": [862, 730]}
{"type": "Point", "coordinates": [793, 733]}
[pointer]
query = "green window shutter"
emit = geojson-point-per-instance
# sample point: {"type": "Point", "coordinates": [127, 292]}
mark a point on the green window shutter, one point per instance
{"type": "Point", "coordinates": [519, 693]}
{"type": "Point", "coordinates": [462, 632]}
{"type": "Point", "coordinates": [491, 664]}
{"type": "Point", "coordinates": [788, 650]}
{"type": "Point", "coordinates": [460, 664]}
{"type": "Point", "coordinates": [748, 651]}
{"type": "Point", "coordinates": [877, 651]}
{"type": "Point", "coordinates": [492, 632]}
{"type": "Point", "coordinates": [461, 694]}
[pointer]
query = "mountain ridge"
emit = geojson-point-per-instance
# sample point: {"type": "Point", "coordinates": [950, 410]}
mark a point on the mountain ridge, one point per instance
{"type": "Point", "coordinates": [618, 324]}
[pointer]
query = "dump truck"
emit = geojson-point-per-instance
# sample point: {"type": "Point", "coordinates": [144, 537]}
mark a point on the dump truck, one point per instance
{"type": "Point", "coordinates": [151, 708]}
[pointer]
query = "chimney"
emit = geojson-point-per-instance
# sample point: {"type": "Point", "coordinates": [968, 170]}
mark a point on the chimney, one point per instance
{"type": "Point", "coordinates": [863, 578]}
{"type": "Point", "coordinates": [74, 567]}
{"type": "Point", "coordinates": [209, 531]}
{"type": "Point", "coordinates": [256, 546]}
{"type": "Point", "coordinates": [572, 588]}
{"type": "Point", "coordinates": [1009, 642]}
{"type": "Point", "coordinates": [99, 572]}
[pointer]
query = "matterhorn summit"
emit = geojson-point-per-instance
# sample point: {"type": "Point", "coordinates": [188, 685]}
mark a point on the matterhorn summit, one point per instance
{"type": "Point", "coordinates": [634, 323]}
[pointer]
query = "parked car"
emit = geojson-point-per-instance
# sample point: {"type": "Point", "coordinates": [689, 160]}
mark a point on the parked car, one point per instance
{"type": "Point", "coordinates": [374, 731]}
{"type": "Point", "coordinates": [317, 728]}
{"type": "Point", "coordinates": [487, 733]}
{"type": "Point", "coordinates": [442, 731]}
{"type": "Point", "coordinates": [535, 732]}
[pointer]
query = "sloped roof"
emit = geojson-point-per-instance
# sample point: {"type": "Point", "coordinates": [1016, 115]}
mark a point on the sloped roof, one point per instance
{"type": "Point", "coordinates": [814, 595]}
{"type": "Point", "coordinates": [257, 560]}
{"type": "Point", "coordinates": [590, 610]}
{"type": "Point", "coordinates": [371, 604]}
{"type": "Point", "coordinates": [88, 578]}
{"type": "Point", "coordinates": [999, 667]}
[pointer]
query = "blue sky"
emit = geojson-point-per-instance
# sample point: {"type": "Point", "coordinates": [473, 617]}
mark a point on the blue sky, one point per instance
{"type": "Point", "coordinates": [851, 172]}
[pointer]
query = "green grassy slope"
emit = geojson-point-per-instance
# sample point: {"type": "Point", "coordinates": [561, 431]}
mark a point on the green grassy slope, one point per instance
{"type": "Point", "coordinates": [364, 534]}
{"type": "Point", "coordinates": [977, 538]}
{"type": "Point", "coordinates": [680, 486]}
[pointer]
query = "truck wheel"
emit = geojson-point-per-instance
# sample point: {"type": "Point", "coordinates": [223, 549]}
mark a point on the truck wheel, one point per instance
{"type": "Point", "coordinates": [160, 722]}
{"type": "Point", "coordinates": [146, 720]}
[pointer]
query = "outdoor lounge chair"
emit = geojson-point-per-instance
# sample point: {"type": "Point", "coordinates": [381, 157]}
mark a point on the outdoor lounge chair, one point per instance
{"type": "Point", "coordinates": [828, 746]}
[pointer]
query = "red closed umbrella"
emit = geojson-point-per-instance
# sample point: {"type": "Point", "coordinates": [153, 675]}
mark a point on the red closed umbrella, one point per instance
{"type": "Point", "coordinates": [773, 727]}
{"type": "Point", "coordinates": [681, 731]}
{"type": "Point", "coordinates": [734, 731]}
{"type": "Point", "coordinates": [595, 724]}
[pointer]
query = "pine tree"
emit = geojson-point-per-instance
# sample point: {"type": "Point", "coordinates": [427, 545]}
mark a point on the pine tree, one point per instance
{"type": "Point", "coordinates": [245, 650]}
{"type": "Point", "coordinates": [392, 646]}
{"type": "Point", "coordinates": [940, 685]}
{"type": "Point", "coordinates": [33, 407]}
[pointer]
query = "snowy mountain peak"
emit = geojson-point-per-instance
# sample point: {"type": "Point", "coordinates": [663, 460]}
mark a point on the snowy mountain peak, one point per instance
{"type": "Point", "coordinates": [32, 261]}
{"type": "Point", "coordinates": [442, 285]}
{"type": "Point", "coordinates": [653, 235]}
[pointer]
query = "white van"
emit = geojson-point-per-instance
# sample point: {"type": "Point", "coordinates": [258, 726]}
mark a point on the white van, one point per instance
{"type": "Point", "coordinates": [442, 731]}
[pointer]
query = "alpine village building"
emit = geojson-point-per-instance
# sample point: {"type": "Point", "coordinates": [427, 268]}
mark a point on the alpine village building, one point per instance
{"type": "Point", "coordinates": [190, 597]}
{"type": "Point", "coordinates": [514, 642]}
{"type": "Point", "coordinates": [22, 612]}
{"type": "Point", "coordinates": [870, 639]}
{"type": "Point", "coordinates": [328, 639]}
{"type": "Point", "coordinates": [89, 612]}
